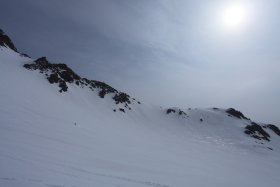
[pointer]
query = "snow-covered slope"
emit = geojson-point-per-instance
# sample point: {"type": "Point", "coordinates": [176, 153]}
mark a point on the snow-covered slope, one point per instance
{"type": "Point", "coordinates": [90, 134]}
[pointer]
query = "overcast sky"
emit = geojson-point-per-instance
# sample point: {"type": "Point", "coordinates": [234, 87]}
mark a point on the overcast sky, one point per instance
{"type": "Point", "coordinates": [165, 52]}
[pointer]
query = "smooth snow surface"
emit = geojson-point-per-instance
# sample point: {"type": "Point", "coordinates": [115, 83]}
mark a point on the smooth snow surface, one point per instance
{"type": "Point", "coordinates": [75, 139]}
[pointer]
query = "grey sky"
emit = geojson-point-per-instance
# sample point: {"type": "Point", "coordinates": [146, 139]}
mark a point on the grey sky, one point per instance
{"type": "Point", "coordinates": [166, 52]}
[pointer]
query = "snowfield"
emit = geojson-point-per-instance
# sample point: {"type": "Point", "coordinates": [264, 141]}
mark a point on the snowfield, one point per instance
{"type": "Point", "coordinates": [75, 139]}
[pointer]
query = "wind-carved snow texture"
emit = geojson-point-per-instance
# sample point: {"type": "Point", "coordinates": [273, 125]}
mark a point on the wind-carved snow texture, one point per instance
{"type": "Point", "coordinates": [62, 75]}
{"type": "Point", "coordinates": [71, 136]}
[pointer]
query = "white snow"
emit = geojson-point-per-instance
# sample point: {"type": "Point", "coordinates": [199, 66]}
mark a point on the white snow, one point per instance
{"type": "Point", "coordinates": [74, 139]}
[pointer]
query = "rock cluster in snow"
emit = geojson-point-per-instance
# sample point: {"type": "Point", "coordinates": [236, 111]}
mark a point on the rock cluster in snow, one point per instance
{"type": "Point", "coordinates": [62, 75]}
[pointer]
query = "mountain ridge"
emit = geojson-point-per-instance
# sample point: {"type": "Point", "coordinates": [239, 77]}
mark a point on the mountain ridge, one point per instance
{"type": "Point", "coordinates": [62, 75]}
{"type": "Point", "coordinates": [59, 129]}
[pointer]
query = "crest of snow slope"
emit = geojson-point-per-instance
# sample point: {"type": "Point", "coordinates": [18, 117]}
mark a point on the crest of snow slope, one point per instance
{"type": "Point", "coordinates": [74, 138]}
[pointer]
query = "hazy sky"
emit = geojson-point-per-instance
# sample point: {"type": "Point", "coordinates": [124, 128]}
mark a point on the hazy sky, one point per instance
{"type": "Point", "coordinates": [165, 52]}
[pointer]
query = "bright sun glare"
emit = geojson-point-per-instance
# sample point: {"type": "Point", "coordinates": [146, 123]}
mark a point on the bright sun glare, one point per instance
{"type": "Point", "coordinates": [234, 16]}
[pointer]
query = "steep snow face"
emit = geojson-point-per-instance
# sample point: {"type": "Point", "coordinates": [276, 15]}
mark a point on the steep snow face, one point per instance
{"type": "Point", "coordinates": [74, 138]}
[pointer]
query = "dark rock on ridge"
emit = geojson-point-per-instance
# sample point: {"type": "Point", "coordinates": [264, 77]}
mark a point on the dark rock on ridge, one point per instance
{"type": "Point", "coordinates": [6, 41]}
{"type": "Point", "coordinates": [236, 113]}
{"type": "Point", "coordinates": [178, 111]}
{"type": "Point", "coordinates": [256, 131]}
{"type": "Point", "coordinates": [274, 128]}
{"type": "Point", "coordinates": [168, 111]}
{"type": "Point", "coordinates": [62, 75]}
{"type": "Point", "coordinates": [121, 98]}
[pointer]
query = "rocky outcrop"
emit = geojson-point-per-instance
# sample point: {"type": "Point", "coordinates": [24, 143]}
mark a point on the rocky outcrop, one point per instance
{"type": "Point", "coordinates": [177, 111]}
{"type": "Point", "coordinates": [5, 41]}
{"type": "Point", "coordinates": [256, 131]}
{"type": "Point", "coordinates": [55, 73]}
{"type": "Point", "coordinates": [236, 113]}
{"type": "Point", "coordinates": [168, 111]}
{"type": "Point", "coordinates": [274, 128]}
{"type": "Point", "coordinates": [62, 75]}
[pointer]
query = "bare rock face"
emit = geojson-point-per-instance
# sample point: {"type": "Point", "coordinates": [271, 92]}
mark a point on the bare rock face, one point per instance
{"type": "Point", "coordinates": [5, 41]}
{"type": "Point", "coordinates": [236, 113]}
{"type": "Point", "coordinates": [256, 131]}
{"type": "Point", "coordinates": [274, 128]}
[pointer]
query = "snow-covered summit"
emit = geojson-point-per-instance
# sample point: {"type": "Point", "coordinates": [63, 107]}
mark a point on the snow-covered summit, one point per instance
{"type": "Point", "coordinates": [59, 129]}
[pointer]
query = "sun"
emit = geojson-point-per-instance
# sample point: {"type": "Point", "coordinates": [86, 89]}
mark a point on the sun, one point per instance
{"type": "Point", "coordinates": [234, 16]}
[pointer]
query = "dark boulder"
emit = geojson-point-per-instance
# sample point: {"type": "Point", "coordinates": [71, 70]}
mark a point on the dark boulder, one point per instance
{"type": "Point", "coordinates": [122, 110]}
{"type": "Point", "coordinates": [121, 98]}
{"type": "Point", "coordinates": [168, 111]}
{"type": "Point", "coordinates": [182, 113]}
